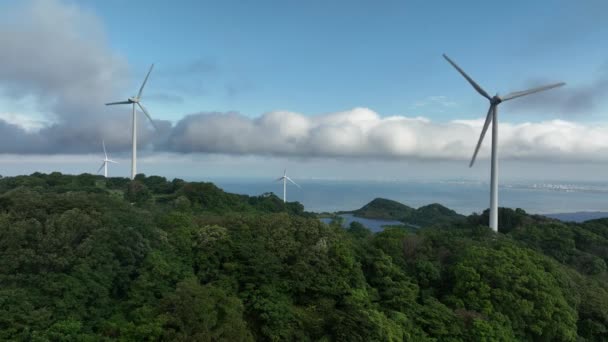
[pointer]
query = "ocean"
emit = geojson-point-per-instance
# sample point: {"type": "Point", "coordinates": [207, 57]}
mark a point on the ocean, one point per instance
{"type": "Point", "coordinates": [374, 225]}
{"type": "Point", "coordinates": [465, 197]}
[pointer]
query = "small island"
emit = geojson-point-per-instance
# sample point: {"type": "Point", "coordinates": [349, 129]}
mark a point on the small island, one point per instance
{"type": "Point", "coordinates": [386, 209]}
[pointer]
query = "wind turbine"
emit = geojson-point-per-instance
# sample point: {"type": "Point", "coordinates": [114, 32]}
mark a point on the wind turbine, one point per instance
{"type": "Point", "coordinates": [492, 116]}
{"type": "Point", "coordinates": [106, 160]}
{"type": "Point", "coordinates": [135, 100]}
{"type": "Point", "coordinates": [285, 179]}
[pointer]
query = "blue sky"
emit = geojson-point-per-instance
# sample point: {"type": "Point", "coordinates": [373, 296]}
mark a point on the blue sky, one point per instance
{"type": "Point", "coordinates": [325, 85]}
{"type": "Point", "coordinates": [322, 56]}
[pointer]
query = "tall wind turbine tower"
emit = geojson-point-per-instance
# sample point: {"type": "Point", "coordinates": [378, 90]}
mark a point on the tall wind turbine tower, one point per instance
{"type": "Point", "coordinates": [285, 179]}
{"type": "Point", "coordinates": [492, 117]}
{"type": "Point", "coordinates": [106, 160]}
{"type": "Point", "coordinates": [135, 100]}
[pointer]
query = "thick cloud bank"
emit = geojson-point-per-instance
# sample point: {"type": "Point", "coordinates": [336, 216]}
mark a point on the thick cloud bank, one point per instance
{"type": "Point", "coordinates": [363, 133]}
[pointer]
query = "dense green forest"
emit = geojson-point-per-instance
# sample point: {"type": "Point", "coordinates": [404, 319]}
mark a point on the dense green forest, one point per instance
{"type": "Point", "coordinates": [85, 258]}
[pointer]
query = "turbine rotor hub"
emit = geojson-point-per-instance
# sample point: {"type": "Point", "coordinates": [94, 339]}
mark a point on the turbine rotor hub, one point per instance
{"type": "Point", "coordinates": [495, 100]}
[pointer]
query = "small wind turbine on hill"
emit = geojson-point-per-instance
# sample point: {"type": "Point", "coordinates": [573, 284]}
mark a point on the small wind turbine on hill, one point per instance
{"type": "Point", "coordinates": [285, 179]}
{"type": "Point", "coordinates": [136, 101]}
{"type": "Point", "coordinates": [106, 160]}
{"type": "Point", "coordinates": [492, 116]}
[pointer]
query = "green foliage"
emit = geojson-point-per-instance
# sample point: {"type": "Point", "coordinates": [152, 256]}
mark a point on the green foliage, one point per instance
{"type": "Point", "coordinates": [83, 258]}
{"type": "Point", "coordinates": [357, 230]}
{"type": "Point", "coordinates": [137, 192]}
{"type": "Point", "coordinates": [203, 313]}
{"type": "Point", "coordinates": [509, 219]}
{"type": "Point", "coordinates": [517, 284]}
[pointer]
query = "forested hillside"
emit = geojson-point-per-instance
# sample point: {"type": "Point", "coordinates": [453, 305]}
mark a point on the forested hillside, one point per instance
{"type": "Point", "coordinates": [83, 258]}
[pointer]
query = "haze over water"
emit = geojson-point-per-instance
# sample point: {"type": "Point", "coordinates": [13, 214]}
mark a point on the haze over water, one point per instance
{"type": "Point", "coordinates": [465, 197]}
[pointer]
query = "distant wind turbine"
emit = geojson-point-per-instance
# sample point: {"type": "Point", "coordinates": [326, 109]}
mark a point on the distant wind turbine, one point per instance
{"type": "Point", "coordinates": [285, 179]}
{"type": "Point", "coordinates": [492, 116]}
{"type": "Point", "coordinates": [136, 101]}
{"type": "Point", "coordinates": [106, 160]}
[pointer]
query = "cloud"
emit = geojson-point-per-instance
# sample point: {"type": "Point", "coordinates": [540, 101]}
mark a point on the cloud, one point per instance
{"type": "Point", "coordinates": [165, 97]}
{"type": "Point", "coordinates": [199, 66]}
{"type": "Point", "coordinates": [574, 22]}
{"type": "Point", "coordinates": [357, 133]}
{"type": "Point", "coordinates": [362, 133]}
{"type": "Point", "coordinates": [22, 122]}
{"type": "Point", "coordinates": [567, 100]}
{"type": "Point", "coordinates": [192, 77]}
{"type": "Point", "coordinates": [55, 55]}
{"type": "Point", "coordinates": [435, 101]}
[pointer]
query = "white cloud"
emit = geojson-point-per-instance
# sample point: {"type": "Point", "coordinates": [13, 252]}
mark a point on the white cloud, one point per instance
{"type": "Point", "coordinates": [23, 121]}
{"type": "Point", "coordinates": [361, 132]}
{"type": "Point", "coordinates": [58, 53]}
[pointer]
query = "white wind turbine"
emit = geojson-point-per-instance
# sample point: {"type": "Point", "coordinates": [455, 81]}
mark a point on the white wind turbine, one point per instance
{"type": "Point", "coordinates": [106, 160]}
{"type": "Point", "coordinates": [492, 116]}
{"type": "Point", "coordinates": [285, 179]}
{"type": "Point", "coordinates": [136, 101]}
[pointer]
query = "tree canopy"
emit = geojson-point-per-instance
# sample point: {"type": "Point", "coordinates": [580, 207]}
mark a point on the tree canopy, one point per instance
{"type": "Point", "coordinates": [83, 258]}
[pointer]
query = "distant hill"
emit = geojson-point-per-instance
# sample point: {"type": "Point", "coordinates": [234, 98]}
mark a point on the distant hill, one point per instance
{"type": "Point", "coordinates": [580, 216]}
{"type": "Point", "coordinates": [385, 209]}
{"type": "Point", "coordinates": [432, 214]}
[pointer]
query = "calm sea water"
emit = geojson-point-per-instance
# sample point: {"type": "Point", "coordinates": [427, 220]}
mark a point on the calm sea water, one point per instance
{"type": "Point", "coordinates": [464, 197]}
{"type": "Point", "coordinates": [371, 224]}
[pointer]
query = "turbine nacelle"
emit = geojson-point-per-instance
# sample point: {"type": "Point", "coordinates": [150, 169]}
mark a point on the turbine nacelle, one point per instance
{"type": "Point", "coordinates": [133, 100]}
{"type": "Point", "coordinates": [495, 100]}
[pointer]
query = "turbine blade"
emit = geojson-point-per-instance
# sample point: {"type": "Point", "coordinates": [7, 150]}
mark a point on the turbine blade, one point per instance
{"type": "Point", "coordinates": [475, 85]}
{"type": "Point", "coordinates": [147, 114]}
{"type": "Point", "coordinates": [294, 183]}
{"type": "Point", "coordinates": [103, 143]}
{"type": "Point", "coordinates": [483, 133]}
{"type": "Point", "coordinates": [145, 80]}
{"type": "Point", "coordinates": [516, 94]}
{"type": "Point", "coordinates": [117, 103]}
{"type": "Point", "coordinates": [279, 179]}
{"type": "Point", "coordinates": [101, 167]}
